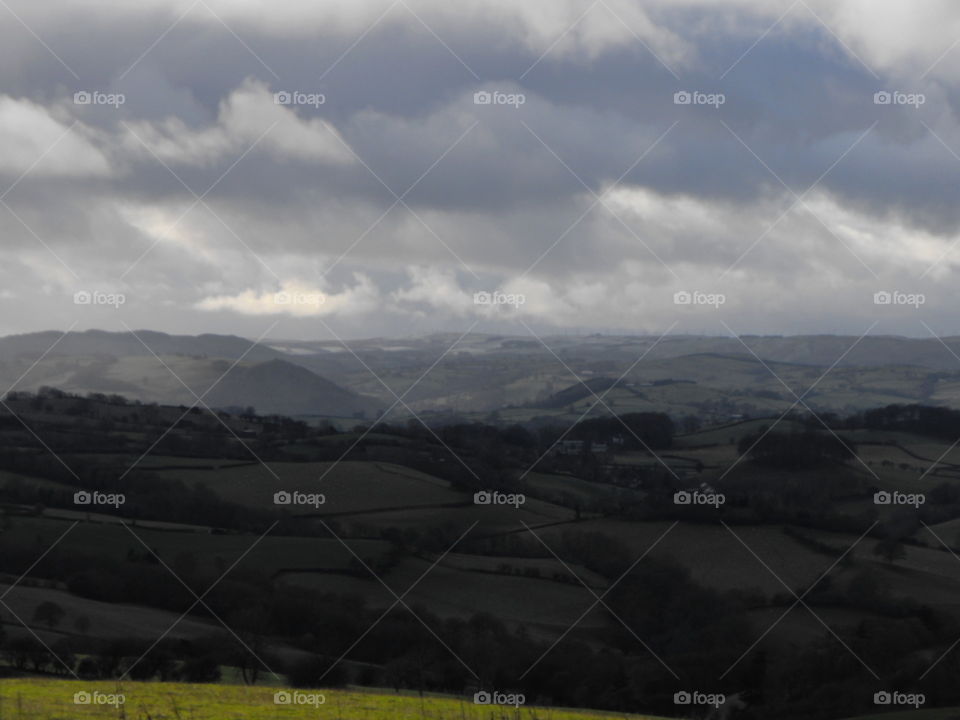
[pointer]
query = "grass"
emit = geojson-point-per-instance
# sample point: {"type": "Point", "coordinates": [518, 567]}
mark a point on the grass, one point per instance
{"type": "Point", "coordinates": [546, 607]}
{"type": "Point", "coordinates": [930, 714]}
{"type": "Point", "coordinates": [53, 700]}
{"type": "Point", "coordinates": [106, 619]}
{"type": "Point", "coordinates": [715, 556]}
{"type": "Point", "coordinates": [113, 541]}
{"type": "Point", "coordinates": [558, 486]}
{"type": "Point", "coordinates": [350, 486]}
{"type": "Point", "coordinates": [730, 433]}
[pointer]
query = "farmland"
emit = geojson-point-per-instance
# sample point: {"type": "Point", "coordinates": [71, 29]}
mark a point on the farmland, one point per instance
{"type": "Point", "coordinates": [202, 574]}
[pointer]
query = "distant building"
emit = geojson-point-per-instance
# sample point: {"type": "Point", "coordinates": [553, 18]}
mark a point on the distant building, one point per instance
{"type": "Point", "coordinates": [569, 447]}
{"type": "Point", "coordinates": [577, 447]}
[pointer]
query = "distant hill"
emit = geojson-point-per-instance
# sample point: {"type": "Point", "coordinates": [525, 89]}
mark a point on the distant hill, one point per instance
{"type": "Point", "coordinates": [576, 392]}
{"type": "Point", "coordinates": [119, 363]}
{"type": "Point", "coordinates": [491, 372]}
{"type": "Point", "coordinates": [120, 344]}
{"type": "Point", "coordinates": [820, 350]}
{"type": "Point", "coordinates": [280, 387]}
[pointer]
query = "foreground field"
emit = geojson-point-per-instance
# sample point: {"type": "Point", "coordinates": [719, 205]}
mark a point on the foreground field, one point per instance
{"type": "Point", "coordinates": [931, 714]}
{"type": "Point", "coordinates": [54, 700]}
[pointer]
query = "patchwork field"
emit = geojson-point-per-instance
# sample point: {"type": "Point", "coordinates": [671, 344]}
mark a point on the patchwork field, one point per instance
{"type": "Point", "coordinates": [400, 507]}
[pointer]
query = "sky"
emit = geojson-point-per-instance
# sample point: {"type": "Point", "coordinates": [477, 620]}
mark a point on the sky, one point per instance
{"type": "Point", "coordinates": [359, 168]}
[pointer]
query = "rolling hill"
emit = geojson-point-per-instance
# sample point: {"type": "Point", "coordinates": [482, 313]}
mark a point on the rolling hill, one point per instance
{"type": "Point", "coordinates": [283, 388]}
{"type": "Point", "coordinates": [174, 370]}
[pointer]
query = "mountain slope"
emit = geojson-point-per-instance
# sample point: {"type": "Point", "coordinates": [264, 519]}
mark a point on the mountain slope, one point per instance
{"type": "Point", "coordinates": [120, 344]}
{"type": "Point", "coordinates": [283, 388]}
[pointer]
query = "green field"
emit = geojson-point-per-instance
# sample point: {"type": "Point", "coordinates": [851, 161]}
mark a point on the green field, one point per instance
{"type": "Point", "coordinates": [109, 620]}
{"type": "Point", "coordinates": [268, 555]}
{"type": "Point", "coordinates": [931, 714]}
{"type": "Point", "coordinates": [349, 486]}
{"type": "Point", "coordinates": [54, 700]}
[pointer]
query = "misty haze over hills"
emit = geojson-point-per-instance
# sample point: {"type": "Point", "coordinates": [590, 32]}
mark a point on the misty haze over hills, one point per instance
{"type": "Point", "coordinates": [355, 379]}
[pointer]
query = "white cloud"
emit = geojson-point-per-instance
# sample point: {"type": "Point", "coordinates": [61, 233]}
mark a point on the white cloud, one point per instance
{"type": "Point", "coordinates": [300, 299]}
{"type": "Point", "coordinates": [32, 139]}
{"type": "Point", "coordinates": [896, 37]}
{"type": "Point", "coordinates": [247, 116]}
{"type": "Point", "coordinates": [435, 287]}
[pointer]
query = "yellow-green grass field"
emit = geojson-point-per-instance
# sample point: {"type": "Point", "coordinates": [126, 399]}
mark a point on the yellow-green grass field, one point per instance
{"type": "Point", "coordinates": [930, 714]}
{"type": "Point", "coordinates": [54, 700]}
